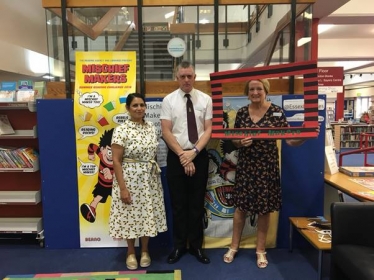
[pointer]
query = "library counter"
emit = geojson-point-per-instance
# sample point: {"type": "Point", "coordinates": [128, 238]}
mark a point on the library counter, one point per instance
{"type": "Point", "coordinates": [345, 184]}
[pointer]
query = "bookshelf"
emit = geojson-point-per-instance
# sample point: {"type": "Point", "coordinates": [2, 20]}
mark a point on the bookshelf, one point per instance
{"type": "Point", "coordinates": [20, 195]}
{"type": "Point", "coordinates": [348, 136]}
{"type": "Point", "coordinates": [330, 114]}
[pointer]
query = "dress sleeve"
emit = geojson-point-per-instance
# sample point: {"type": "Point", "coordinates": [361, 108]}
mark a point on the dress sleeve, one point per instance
{"type": "Point", "coordinates": [282, 122]}
{"type": "Point", "coordinates": [119, 135]}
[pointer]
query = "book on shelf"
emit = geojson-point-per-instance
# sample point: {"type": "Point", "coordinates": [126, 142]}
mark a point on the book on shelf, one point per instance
{"type": "Point", "coordinates": [25, 95]}
{"type": "Point", "coordinates": [12, 157]}
{"type": "Point", "coordinates": [5, 126]}
{"type": "Point", "coordinates": [7, 95]}
{"type": "Point", "coordinates": [7, 91]}
{"type": "Point", "coordinates": [39, 88]}
{"type": "Point", "coordinates": [30, 154]}
{"type": "Point", "coordinates": [357, 171]}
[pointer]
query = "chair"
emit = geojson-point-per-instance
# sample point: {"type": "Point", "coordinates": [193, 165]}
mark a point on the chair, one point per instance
{"type": "Point", "coordinates": [352, 247]}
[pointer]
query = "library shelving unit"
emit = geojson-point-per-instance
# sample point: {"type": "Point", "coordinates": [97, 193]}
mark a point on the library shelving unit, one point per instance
{"type": "Point", "coordinates": [348, 135]}
{"type": "Point", "coordinates": [20, 196]}
{"type": "Point", "coordinates": [330, 114]}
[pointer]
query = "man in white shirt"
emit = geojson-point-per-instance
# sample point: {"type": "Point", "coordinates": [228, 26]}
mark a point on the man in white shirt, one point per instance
{"type": "Point", "coordinates": [187, 162]}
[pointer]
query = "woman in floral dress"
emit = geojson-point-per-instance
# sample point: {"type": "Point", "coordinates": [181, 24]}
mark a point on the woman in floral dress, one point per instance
{"type": "Point", "coordinates": [257, 187]}
{"type": "Point", "coordinates": [137, 209]}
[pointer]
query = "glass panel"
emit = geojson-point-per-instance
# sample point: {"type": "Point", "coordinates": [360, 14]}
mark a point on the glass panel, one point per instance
{"type": "Point", "coordinates": [243, 39]}
{"type": "Point", "coordinates": [303, 36]}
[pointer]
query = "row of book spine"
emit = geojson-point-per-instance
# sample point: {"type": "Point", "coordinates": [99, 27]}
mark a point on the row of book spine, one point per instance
{"type": "Point", "coordinates": [24, 157]}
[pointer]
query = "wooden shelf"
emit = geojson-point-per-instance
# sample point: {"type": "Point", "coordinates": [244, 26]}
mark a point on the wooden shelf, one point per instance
{"type": "Point", "coordinates": [21, 225]}
{"type": "Point", "coordinates": [20, 197]}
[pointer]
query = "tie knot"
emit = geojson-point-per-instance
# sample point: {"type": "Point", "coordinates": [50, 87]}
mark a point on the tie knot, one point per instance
{"type": "Point", "coordinates": [188, 95]}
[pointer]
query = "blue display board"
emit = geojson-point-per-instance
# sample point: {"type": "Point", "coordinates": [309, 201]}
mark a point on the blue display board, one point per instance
{"type": "Point", "coordinates": [302, 177]}
{"type": "Point", "coordinates": [58, 171]}
{"type": "Point", "coordinates": [302, 172]}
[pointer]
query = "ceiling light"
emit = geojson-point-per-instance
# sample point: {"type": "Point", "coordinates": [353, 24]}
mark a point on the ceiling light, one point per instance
{"type": "Point", "coordinates": [308, 15]}
{"type": "Point", "coordinates": [169, 15]}
{"type": "Point", "coordinates": [48, 77]}
{"type": "Point", "coordinates": [324, 27]}
{"type": "Point", "coordinates": [204, 21]}
{"type": "Point", "coordinates": [303, 41]}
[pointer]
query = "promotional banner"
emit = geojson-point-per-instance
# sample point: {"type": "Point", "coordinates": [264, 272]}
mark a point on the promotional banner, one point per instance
{"type": "Point", "coordinates": [102, 82]}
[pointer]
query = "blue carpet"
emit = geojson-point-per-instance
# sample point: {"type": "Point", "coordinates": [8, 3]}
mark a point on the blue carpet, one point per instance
{"type": "Point", "coordinates": [31, 259]}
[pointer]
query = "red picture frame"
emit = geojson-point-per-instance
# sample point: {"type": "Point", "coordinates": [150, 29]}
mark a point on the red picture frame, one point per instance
{"type": "Point", "coordinates": [310, 82]}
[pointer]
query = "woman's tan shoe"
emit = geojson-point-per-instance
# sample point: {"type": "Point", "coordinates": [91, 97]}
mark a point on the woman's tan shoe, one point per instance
{"type": "Point", "coordinates": [131, 262]}
{"type": "Point", "coordinates": [262, 261]}
{"type": "Point", "coordinates": [145, 260]}
{"type": "Point", "coordinates": [230, 255]}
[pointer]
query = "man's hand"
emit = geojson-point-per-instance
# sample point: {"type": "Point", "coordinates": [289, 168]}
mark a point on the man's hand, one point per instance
{"type": "Point", "coordinates": [189, 169]}
{"type": "Point", "coordinates": [186, 157]}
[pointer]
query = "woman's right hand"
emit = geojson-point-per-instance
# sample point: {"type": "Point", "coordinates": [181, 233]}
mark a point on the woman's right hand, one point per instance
{"type": "Point", "coordinates": [125, 196]}
{"type": "Point", "coordinates": [246, 142]}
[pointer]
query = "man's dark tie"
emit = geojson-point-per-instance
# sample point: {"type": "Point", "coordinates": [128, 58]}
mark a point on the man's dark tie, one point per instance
{"type": "Point", "coordinates": [191, 121]}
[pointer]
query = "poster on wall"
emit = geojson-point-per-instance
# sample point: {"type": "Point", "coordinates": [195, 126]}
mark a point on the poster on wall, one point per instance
{"type": "Point", "coordinates": [102, 82]}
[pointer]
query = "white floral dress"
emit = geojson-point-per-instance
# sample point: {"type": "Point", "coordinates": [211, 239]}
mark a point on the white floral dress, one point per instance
{"type": "Point", "coordinates": [146, 215]}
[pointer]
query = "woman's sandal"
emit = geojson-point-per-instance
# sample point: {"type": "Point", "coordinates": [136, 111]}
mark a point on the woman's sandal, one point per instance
{"type": "Point", "coordinates": [262, 262]}
{"type": "Point", "coordinates": [230, 255]}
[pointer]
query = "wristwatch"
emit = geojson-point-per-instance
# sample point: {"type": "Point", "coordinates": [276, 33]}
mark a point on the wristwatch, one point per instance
{"type": "Point", "coordinates": [196, 150]}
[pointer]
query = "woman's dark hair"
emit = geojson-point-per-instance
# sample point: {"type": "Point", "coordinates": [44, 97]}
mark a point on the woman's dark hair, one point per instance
{"type": "Point", "coordinates": [131, 97]}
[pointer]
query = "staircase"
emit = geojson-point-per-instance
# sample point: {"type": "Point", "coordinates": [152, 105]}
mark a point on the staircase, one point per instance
{"type": "Point", "coordinates": [158, 63]}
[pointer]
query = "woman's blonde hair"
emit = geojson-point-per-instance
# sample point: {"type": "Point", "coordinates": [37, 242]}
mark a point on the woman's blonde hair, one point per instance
{"type": "Point", "coordinates": [264, 82]}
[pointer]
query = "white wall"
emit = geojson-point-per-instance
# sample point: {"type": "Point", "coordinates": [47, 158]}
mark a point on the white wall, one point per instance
{"type": "Point", "coordinates": [23, 40]}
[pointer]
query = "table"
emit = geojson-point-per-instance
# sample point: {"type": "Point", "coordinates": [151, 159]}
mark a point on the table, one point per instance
{"type": "Point", "coordinates": [301, 225]}
{"type": "Point", "coordinates": [343, 183]}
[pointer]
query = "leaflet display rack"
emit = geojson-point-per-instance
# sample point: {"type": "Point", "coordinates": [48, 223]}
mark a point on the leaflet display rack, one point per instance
{"type": "Point", "coordinates": [20, 195]}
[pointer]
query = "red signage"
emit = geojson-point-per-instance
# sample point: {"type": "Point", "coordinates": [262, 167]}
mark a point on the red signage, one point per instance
{"type": "Point", "coordinates": [330, 76]}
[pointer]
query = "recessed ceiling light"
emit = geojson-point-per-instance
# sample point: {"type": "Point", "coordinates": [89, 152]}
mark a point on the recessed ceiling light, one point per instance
{"type": "Point", "coordinates": [169, 15]}
{"type": "Point", "coordinates": [324, 27]}
{"type": "Point", "coordinates": [303, 41]}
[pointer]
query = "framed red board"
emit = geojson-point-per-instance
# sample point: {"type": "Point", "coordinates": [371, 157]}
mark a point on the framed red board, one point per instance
{"type": "Point", "coordinates": [310, 82]}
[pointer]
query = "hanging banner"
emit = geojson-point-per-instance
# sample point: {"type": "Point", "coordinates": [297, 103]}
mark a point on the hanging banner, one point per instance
{"type": "Point", "coordinates": [102, 82]}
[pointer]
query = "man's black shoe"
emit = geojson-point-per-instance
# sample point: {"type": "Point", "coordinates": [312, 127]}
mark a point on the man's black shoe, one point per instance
{"type": "Point", "coordinates": [200, 256]}
{"type": "Point", "coordinates": [176, 255]}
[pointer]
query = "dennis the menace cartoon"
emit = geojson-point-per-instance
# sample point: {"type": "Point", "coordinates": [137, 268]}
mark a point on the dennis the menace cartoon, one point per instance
{"type": "Point", "coordinates": [103, 187]}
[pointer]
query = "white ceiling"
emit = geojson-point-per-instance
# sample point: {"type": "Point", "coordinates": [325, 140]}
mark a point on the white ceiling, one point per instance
{"type": "Point", "coordinates": [349, 43]}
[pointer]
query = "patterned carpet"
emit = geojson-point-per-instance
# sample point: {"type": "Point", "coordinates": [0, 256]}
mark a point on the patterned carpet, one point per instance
{"type": "Point", "coordinates": [113, 275]}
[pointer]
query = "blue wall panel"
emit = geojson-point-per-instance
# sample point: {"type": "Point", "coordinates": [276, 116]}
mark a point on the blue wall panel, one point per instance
{"type": "Point", "coordinates": [59, 173]}
{"type": "Point", "coordinates": [302, 181]}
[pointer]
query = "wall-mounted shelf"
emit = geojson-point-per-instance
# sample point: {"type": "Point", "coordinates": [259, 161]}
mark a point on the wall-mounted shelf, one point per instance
{"type": "Point", "coordinates": [21, 225]}
{"type": "Point", "coordinates": [21, 134]}
{"type": "Point", "coordinates": [20, 197]}
{"type": "Point", "coordinates": [34, 169]}
{"type": "Point", "coordinates": [31, 106]}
